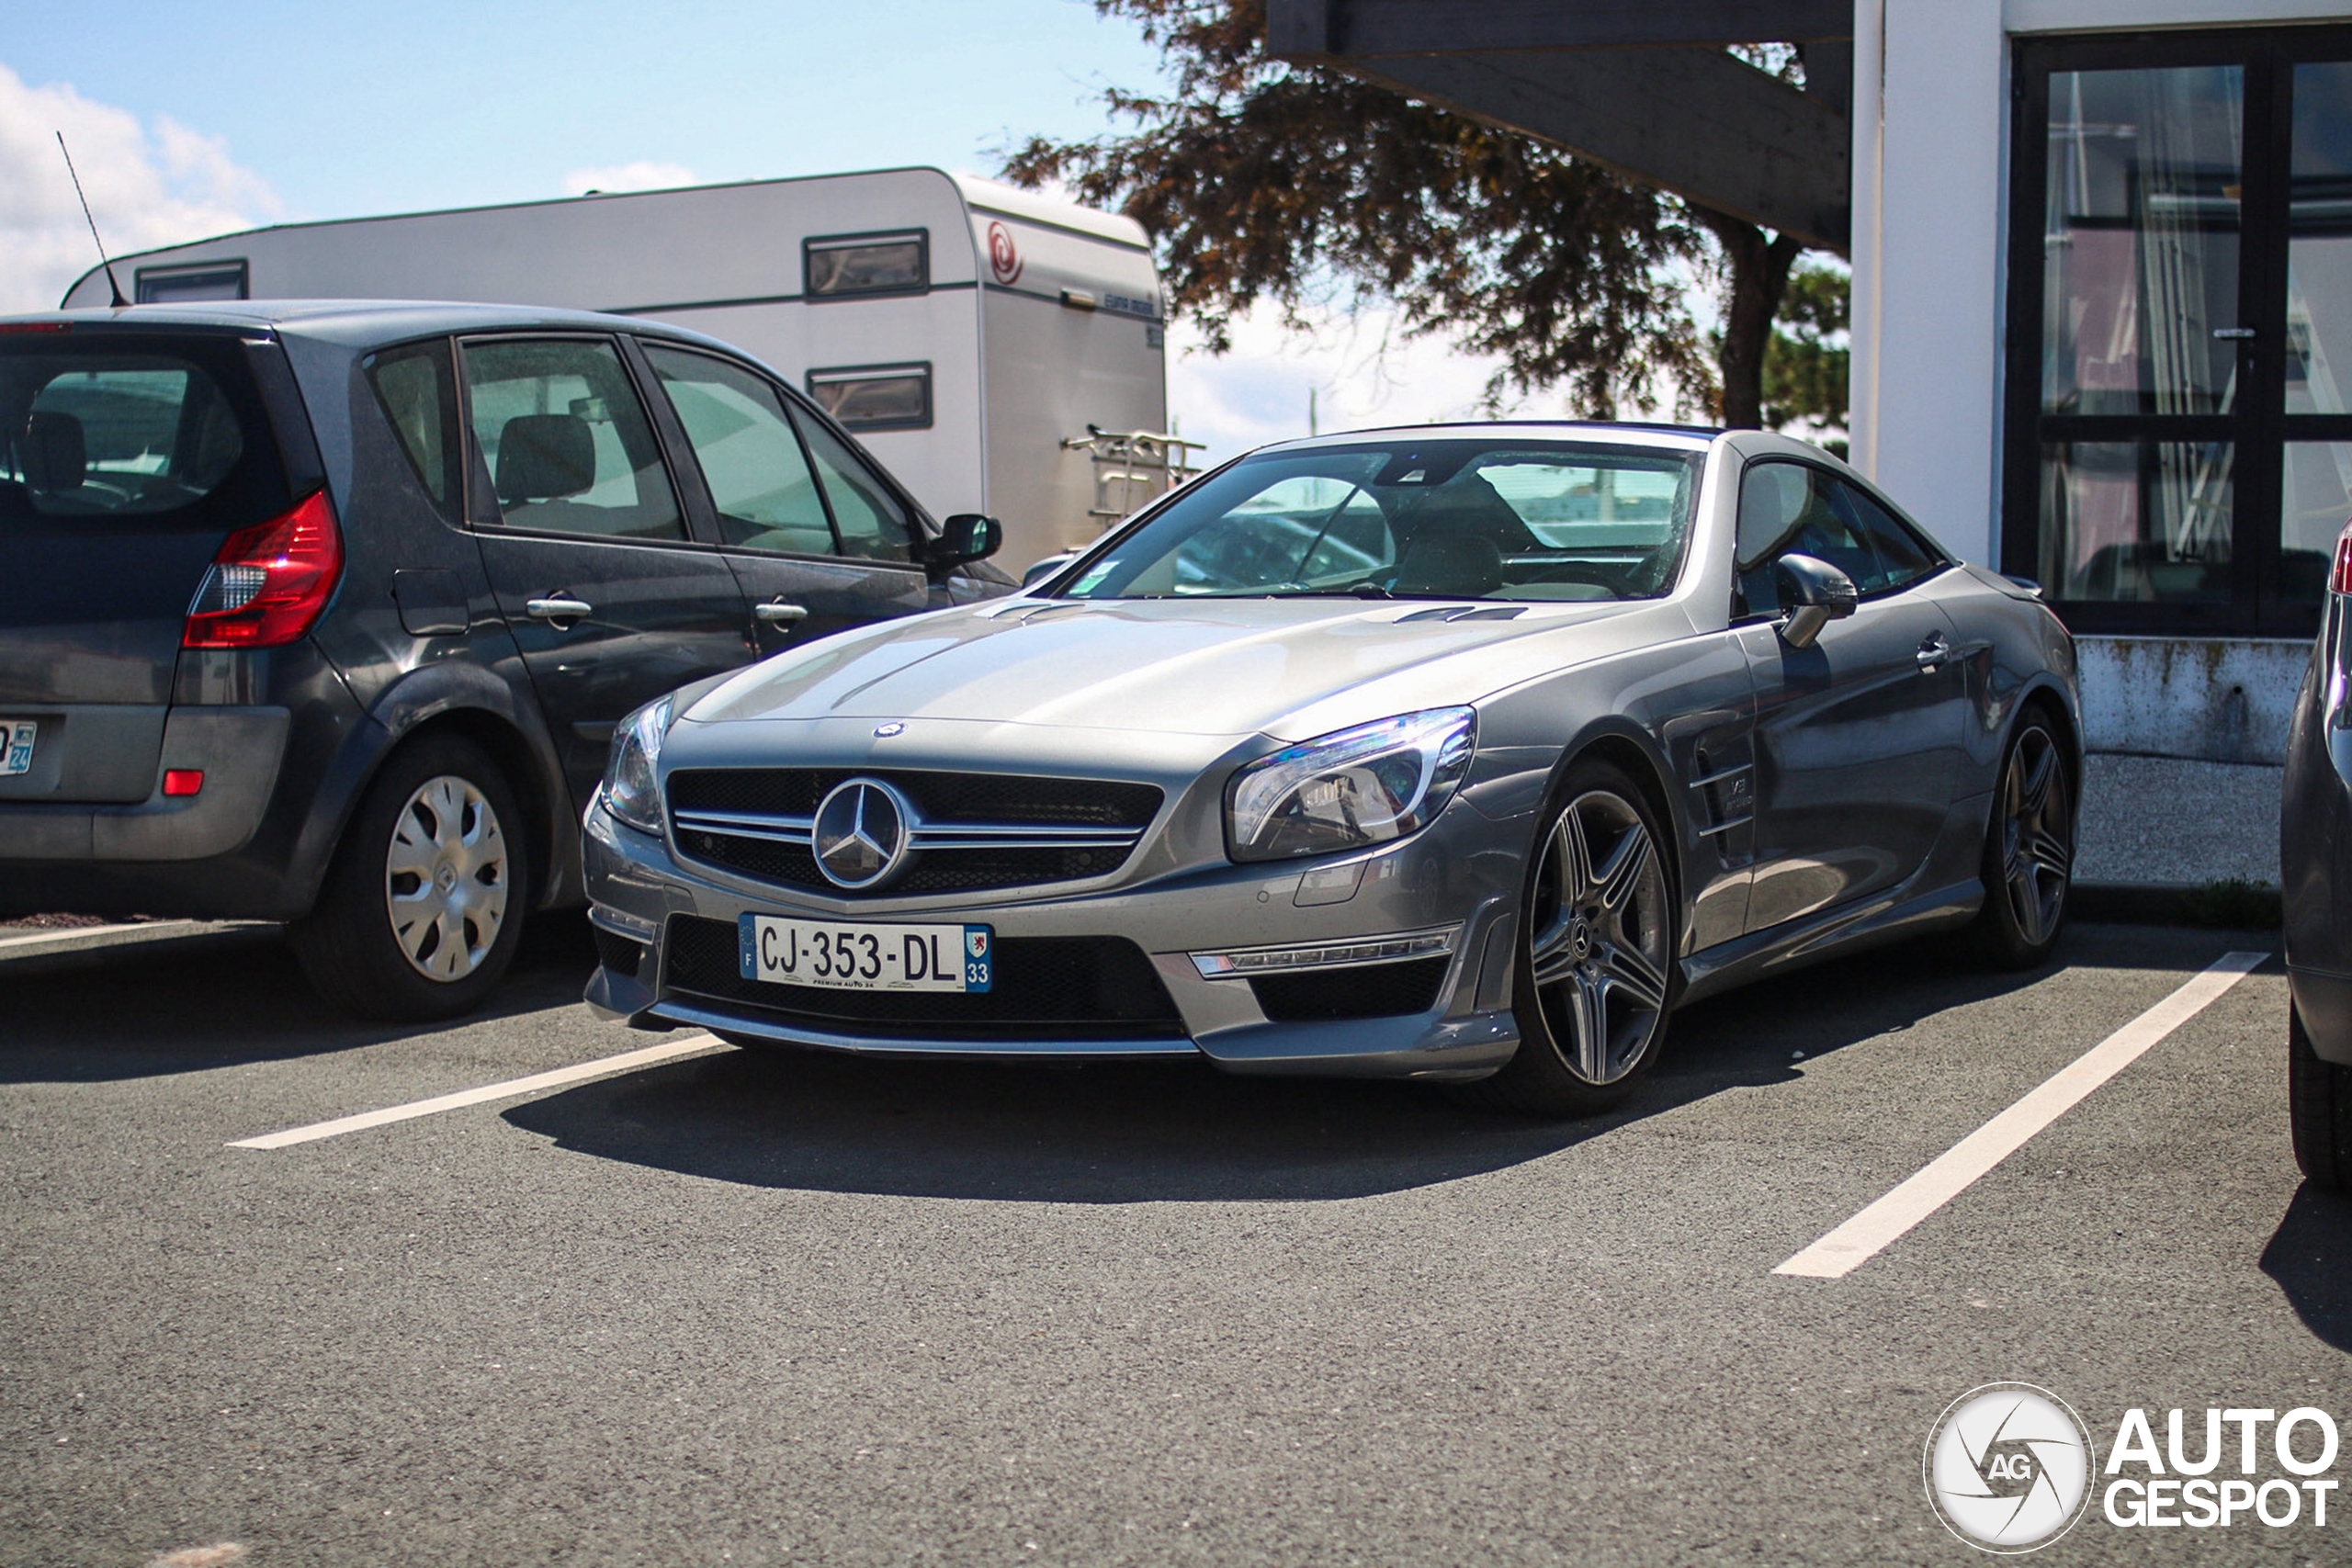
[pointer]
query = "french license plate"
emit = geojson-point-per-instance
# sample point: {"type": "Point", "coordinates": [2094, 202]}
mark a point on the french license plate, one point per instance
{"type": "Point", "coordinates": [17, 737]}
{"type": "Point", "coordinates": [852, 956]}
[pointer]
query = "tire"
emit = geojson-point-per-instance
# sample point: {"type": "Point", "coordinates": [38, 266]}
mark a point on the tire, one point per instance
{"type": "Point", "coordinates": [1594, 977]}
{"type": "Point", "coordinates": [2318, 1107]}
{"type": "Point", "coordinates": [2028, 865]}
{"type": "Point", "coordinates": [424, 904]}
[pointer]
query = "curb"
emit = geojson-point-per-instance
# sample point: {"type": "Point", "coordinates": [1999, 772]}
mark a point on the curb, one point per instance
{"type": "Point", "coordinates": [2230, 906]}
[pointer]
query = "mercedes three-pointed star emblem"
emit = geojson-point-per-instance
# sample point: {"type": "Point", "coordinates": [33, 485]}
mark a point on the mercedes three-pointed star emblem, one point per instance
{"type": "Point", "coordinates": [861, 833]}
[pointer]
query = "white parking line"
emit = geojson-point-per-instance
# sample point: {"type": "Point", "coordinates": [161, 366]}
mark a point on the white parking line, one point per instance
{"type": "Point", "coordinates": [667, 1051]}
{"type": "Point", "coordinates": [1862, 1237]}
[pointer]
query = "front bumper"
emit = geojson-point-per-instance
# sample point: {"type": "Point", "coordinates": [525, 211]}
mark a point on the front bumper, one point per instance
{"type": "Point", "coordinates": [1460, 873]}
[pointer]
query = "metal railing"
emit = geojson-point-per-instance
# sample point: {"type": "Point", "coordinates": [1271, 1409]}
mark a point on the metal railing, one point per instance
{"type": "Point", "coordinates": [1133, 467]}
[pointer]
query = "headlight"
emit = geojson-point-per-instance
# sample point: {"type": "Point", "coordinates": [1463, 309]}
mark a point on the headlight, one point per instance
{"type": "Point", "coordinates": [631, 791]}
{"type": "Point", "coordinates": [1348, 790]}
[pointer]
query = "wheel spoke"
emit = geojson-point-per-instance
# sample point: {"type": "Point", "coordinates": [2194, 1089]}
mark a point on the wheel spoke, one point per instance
{"type": "Point", "coordinates": [1574, 857]}
{"type": "Point", "coordinates": [1627, 863]}
{"type": "Point", "coordinates": [2049, 852]}
{"type": "Point", "coordinates": [1633, 975]}
{"type": "Point", "coordinates": [2034, 789]}
{"type": "Point", "coordinates": [1549, 968]}
{"type": "Point", "coordinates": [1591, 1010]}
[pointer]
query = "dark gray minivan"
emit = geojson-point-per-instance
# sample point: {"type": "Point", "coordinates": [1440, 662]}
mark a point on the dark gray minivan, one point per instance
{"type": "Point", "coordinates": [324, 612]}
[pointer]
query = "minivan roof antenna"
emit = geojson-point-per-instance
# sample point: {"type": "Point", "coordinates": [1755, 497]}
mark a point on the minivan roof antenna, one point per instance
{"type": "Point", "coordinates": [115, 288]}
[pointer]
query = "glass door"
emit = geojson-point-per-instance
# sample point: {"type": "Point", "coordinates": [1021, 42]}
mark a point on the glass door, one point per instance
{"type": "Point", "coordinates": [2179, 457]}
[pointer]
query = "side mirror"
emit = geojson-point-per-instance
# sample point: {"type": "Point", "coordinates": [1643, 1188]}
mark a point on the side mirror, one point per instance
{"type": "Point", "coordinates": [1815, 593]}
{"type": "Point", "coordinates": [1040, 570]}
{"type": "Point", "coordinates": [966, 537]}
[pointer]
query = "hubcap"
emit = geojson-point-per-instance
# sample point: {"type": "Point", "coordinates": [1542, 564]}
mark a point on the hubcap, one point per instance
{"type": "Point", "coordinates": [445, 879]}
{"type": "Point", "coordinates": [2037, 835]}
{"type": "Point", "coordinates": [1597, 947]}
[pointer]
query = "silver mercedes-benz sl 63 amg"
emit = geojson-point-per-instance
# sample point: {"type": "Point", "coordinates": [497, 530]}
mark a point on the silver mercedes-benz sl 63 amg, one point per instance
{"type": "Point", "coordinates": [1463, 753]}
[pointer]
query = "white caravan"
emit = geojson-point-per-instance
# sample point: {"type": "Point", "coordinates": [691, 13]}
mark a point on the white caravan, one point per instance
{"type": "Point", "coordinates": [998, 351]}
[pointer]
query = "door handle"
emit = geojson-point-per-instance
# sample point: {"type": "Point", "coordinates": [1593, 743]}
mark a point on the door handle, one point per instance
{"type": "Point", "coordinates": [778, 614]}
{"type": "Point", "coordinates": [559, 609]}
{"type": "Point", "coordinates": [1934, 653]}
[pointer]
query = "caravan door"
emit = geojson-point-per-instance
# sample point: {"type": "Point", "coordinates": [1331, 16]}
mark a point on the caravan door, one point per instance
{"type": "Point", "coordinates": [819, 540]}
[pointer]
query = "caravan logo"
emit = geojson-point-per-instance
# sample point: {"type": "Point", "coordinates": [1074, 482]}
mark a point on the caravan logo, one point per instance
{"type": "Point", "coordinates": [2009, 1467]}
{"type": "Point", "coordinates": [1004, 261]}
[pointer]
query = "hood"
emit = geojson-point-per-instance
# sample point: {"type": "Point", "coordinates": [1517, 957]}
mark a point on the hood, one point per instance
{"type": "Point", "coordinates": [1227, 667]}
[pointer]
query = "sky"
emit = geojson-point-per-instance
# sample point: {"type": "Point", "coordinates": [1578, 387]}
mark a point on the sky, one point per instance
{"type": "Point", "coordinates": [193, 118]}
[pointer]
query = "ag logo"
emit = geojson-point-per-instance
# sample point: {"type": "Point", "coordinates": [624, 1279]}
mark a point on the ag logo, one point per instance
{"type": "Point", "coordinates": [1004, 261]}
{"type": "Point", "coordinates": [976, 943]}
{"type": "Point", "coordinates": [2009, 1467]}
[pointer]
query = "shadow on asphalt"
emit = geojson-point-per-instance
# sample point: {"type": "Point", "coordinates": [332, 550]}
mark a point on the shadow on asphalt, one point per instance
{"type": "Point", "coordinates": [2311, 1256]}
{"type": "Point", "coordinates": [1183, 1132]}
{"type": "Point", "coordinates": [127, 1015]}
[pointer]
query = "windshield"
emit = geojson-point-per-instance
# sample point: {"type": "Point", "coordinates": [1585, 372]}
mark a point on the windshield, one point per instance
{"type": "Point", "coordinates": [1487, 519]}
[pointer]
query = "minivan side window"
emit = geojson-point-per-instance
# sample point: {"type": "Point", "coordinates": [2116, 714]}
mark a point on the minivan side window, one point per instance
{"type": "Point", "coordinates": [872, 525]}
{"type": "Point", "coordinates": [564, 441]}
{"type": "Point", "coordinates": [419, 395]}
{"type": "Point", "coordinates": [759, 479]}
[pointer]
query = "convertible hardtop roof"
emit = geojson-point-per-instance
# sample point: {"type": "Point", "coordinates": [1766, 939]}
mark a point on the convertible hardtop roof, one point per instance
{"type": "Point", "coordinates": [1672, 438]}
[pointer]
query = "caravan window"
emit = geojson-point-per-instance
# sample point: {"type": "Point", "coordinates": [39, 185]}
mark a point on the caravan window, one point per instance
{"type": "Point", "coordinates": [875, 397]}
{"type": "Point", "coordinates": [564, 441]}
{"type": "Point", "coordinates": [759, 479]}
{"type": "Point", "coordinates": [840, 264]}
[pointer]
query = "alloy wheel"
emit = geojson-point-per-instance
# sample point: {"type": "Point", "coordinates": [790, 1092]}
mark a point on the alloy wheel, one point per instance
{"type": "Point", "coordinates": [446, 878]}
{"type": "Point", "coordinates": [2037, 834]}
{"type": "Point", "coordinates": [1598, 929]}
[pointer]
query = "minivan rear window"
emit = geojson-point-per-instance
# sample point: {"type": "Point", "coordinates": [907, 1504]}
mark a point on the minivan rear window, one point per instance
{"type": "Point", "coordinates": [113, 434]}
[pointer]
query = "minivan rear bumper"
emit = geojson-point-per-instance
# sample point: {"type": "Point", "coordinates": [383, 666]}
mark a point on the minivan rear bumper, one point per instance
{"type": "Point", "coordinates": [238, 750]}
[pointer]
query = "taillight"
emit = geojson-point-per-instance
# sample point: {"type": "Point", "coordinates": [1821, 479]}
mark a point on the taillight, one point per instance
{"type": "Point", "coordinates": [268, 582]}
{"type": "Point", "coordinates": [2342, 581]}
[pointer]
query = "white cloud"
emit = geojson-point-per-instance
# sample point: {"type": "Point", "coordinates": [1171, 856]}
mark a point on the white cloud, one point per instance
{"type": "Point", "coordinates": [1361, 368]}
{"type": "Point", "coordinates": [644, 174]}
{"type": "Point", "coordinates": [160, 184]}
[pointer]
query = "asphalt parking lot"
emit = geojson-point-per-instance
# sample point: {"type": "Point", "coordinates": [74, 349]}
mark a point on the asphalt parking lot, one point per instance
{"type": "Point", "coordinates": [762, 1308]}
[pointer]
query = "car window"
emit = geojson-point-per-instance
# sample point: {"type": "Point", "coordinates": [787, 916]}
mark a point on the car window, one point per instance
{"type": "Point", "coordinates": [1442, 519]}
{"type": "Point", "coordinates": [1902, 557]}
{"type": "Point", "coordinates": [565, 443]}
{"type": "Point", "coordinates": [872, 525]}
{"type": "Point", "coordinates": [1790, 509]}
{"type": "Point", "coordinates": [114, 435]}
{"type": "Point", "coordinates": [419, 396]}
{"type": "Point", "coordinates": [759, 478]}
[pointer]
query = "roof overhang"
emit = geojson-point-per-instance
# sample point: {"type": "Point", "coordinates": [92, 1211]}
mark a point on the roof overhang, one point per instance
{"type": "Point", "coordinates": [1643, 87]}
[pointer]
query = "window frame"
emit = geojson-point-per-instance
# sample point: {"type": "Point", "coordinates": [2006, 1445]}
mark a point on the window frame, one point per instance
{"type": "Point", "coordinates": [687, 468]}
{"type": "Point", "coordinates": [1940, 560]}
{"type": "Point", "coordinates": [920, 368]}
{"type": "Point", "coordinates": [2258, 429]}
{"type": "Point", "coordinates": [811, 244]}
{"type": "Point", "coordinates": [479, 491]}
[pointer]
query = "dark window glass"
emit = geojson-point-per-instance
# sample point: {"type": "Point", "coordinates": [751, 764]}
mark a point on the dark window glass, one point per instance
{"type": "Point", "coordinates": [867, 264]}
{"type": "Point", "coordinates": [759, 479]}
{"type": "Point", "coordinates": [419, 398]}
{"type": "Point", "coordinates": [875, 397]}
{"type": "Point", "coordinates": [1902, 557]}
{"type": "Point", "coordinates": [565, 443]}
{"type": "Point", "coordinates": [113, 434]}
{"type": "Point", "coordinates": [871, 523]}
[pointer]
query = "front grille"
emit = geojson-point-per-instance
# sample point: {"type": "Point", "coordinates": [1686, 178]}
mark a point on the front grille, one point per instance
{"type": "Point", "coordinates": [1046, 989]}
{"type": "Point", "coordinates": [754, 821]}
{"type": "Point", "coordinates": [1368, 990]}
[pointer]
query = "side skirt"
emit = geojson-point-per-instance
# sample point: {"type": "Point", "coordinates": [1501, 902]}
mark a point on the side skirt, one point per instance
{"type": "Point", "coordinates": [1892, 915]}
